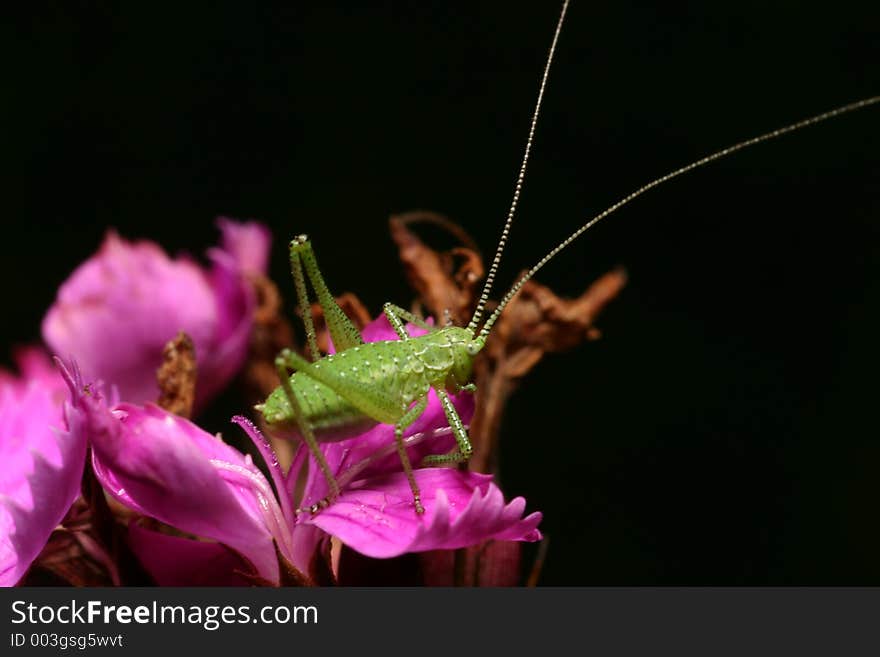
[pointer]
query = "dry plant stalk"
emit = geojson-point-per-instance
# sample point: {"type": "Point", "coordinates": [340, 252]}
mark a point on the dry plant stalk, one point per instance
{"type": "Point", "coordinates": [177, 376]}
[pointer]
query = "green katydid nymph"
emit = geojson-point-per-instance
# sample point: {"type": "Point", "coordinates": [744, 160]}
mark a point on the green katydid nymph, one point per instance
{"type": "Point", "coordinates": [340, 396]}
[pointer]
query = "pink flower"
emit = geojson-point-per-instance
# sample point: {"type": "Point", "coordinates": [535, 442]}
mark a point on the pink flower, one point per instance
{"type": "Point", "coordinates": [176, 561]}
{"type": "Point", "coordinates": [41, 462]}
{"type": "Point", "coordinates": [167, 468]}
{"type": "Point", "coordinates": [375, 516]}
{"type": "Point", "coordinates": [117, 310]}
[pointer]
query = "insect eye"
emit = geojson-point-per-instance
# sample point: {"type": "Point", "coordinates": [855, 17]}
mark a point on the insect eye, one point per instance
{"type": "Point", "coordinates": [472, 348]}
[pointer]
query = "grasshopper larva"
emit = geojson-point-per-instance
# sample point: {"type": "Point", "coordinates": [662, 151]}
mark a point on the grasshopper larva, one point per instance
{"type": "Point", "coordinates": [336, 397]}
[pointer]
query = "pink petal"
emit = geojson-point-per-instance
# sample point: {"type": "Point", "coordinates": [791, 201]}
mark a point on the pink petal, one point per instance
{"type": "Point", "coordinates": [380, 329]}
{"type": "Point", "coordinates": [244, 253]}
{"type": "Point", "coordinates": [118, 309]}
{"type": "Point", "coordinates": [296, 541]}
{"type": "Point", "coordinates": [36, 366]}
{"type": "Point", "coordinates": [248, 243]}
{"type": "Point", "coordinates": [271, 460]}
{"type": "Point", "coordinates": [376, 516]}
{"type": "Point", "coordinates": [41, 465]}
{"type": "Point", "coordinates": [175, 561]}
{"type": "Point", "coordinates": [167, 467]}
{"type": "Point", "coordinates": [350, 453]}
{"type": "Point", "coordinates": [236, 302]}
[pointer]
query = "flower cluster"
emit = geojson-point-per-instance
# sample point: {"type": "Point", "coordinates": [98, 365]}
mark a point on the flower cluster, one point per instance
{"type": "Point", "coordinates": [196, 510]}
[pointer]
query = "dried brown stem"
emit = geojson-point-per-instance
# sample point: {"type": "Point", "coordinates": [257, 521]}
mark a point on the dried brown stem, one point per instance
{"type": "Point", "coordinates": [535, 323]}
{"type": "Point", "coordinates": [440, 284]}
{"type": "Point", "coordinates": [177, 376]}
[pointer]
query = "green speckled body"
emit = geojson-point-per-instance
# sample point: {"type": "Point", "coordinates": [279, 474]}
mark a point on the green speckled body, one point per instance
{"type": "Point", "coordinates": [344, 394]}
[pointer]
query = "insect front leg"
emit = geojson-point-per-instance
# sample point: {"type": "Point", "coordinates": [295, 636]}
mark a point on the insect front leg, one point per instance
{"type": "Point", "coordinates": [395, 314]}
{"type": "Point", "coordinates": [343, 332]}
{"type": "Point", "coordinates": [283, 363]}
{"type": "Point", "coordinates": [461, 437]}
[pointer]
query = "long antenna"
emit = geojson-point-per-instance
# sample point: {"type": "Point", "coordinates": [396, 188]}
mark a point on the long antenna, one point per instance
{"type": "Point", "coordinates": [859, 104]}
{"type": "Point", "coordinates": [490, 277]}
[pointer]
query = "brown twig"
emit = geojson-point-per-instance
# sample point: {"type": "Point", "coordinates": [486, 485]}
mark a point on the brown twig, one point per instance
{"type": "Point", "coordinates": [177, 376]}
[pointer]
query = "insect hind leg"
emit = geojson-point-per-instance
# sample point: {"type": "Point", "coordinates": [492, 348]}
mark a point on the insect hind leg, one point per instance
{"type": "Point", "coordinates": [302, 297]}
{"type": "Point", "coordinates": [343, 332]}
{"type": "Point", "coordinates": [285, 361]}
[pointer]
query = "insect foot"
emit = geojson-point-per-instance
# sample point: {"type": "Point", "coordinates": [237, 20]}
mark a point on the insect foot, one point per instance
{"type": "Point", "coordinates": [323, 503]}
{"type": "Point", "coordinates": [452, 457]}
{"type": "Point", "coordinates": [317, 507]}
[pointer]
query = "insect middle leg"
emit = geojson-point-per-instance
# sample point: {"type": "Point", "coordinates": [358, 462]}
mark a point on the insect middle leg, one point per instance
{"type": "Point", "coordinates": [395, 314]}
{"type": "Point", "coordinates": [411, 416]}
{"type": "Point", "coordinates": [461, 437]}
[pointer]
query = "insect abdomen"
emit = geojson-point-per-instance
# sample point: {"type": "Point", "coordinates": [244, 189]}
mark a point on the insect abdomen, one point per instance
{"type": "Point", "coordinates": [331, 417]}
{"type": "Point", "coordinates": [358, 388]}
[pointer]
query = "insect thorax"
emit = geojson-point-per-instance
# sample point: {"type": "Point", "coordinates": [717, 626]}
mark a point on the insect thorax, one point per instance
{"type": "Point", "coordinates": [448, 352]}
{"type": "Point", "coordinates": [384, 378]}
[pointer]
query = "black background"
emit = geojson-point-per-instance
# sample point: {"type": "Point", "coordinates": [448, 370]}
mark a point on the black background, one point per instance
{"type": "Point", "coordinates": [723, 430]}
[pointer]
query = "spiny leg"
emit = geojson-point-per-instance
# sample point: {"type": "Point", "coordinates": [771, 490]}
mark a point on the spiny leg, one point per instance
{"type": "Point", "coordinates": [396, 313]}
{"type": "Point", "coordinates": [464, 444]}
{"type": "Point", "coordinates": [411, 416]}
{"type": "Point", "coordinates": [395, 321]}
{"type": "Point", "coordinates": [285, 360]}
{"type": "Point", "coordinates": [343, 332]}
{"type": "Point", "coordinates": [305, 306]}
